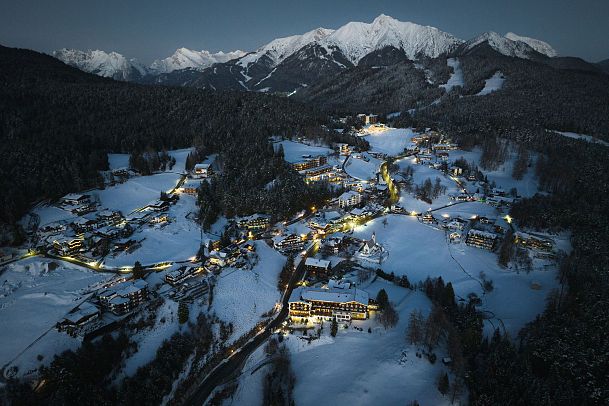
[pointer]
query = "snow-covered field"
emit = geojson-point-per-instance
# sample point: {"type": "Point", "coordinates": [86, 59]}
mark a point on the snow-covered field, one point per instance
{"type": "Point", "coordinates": [492, 84]}
{"type": "Point", "coordinates": [177, 240]}
{"type": "Point", "coordinates": [293, 151]}
{"type": "Point", "coordinates": [502, 176]}
{"type": "Point", "coordinates": [34, 298]}
{"type": "Point", "coordinates": [420, 174]}
{"type": "Point", "coordinates": [136, 192]}
{"type": "Point", "coordinates": [356, 367]}
{"type": "Point", "coordinates": [391, 142]}
{"type": "Point", "coordinates": [242, 296]}
{"type": "Point", "coordinates": [417, 251]}
{"type": "Point", "coordinates": [364, 168]}
{"type": "Point", "coordinates": [456, 77]}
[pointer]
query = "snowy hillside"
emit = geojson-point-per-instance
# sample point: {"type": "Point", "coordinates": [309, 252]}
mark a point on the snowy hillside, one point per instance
{"type": "Point", "coordinates": [538, 45]}
{"type": "Point", "coordinates": [110, 65]}
{"type": "Point", "coordinates": [357, 40]}
{"type": "Point", "coordinates": [281, 48]}
{"type": "Point", "coordinates": [500, 44]}
{"type": "Point", "coordinates": [184, 58]}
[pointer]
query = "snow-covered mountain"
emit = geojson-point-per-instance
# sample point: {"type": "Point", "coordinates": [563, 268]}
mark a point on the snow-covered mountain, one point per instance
{"type": "Point", "coordinates": [356, 39]}
{"type": "Point", "coordinates": [184, 58]}
{"type": "Point", "coordinates": [279, 49]}
{"type": "Point", "coordinates": [499, 43]}
{"type": "Point", "coordinates": [289, 63]}
{"type": "Point", "coordinates": [538, 45]}
{"type": "Point", "coordinates": [111, 65]}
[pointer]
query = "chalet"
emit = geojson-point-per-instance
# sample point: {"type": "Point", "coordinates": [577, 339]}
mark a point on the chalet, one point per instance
{"type": "Point", "coordinates": [78, 317]}
{"type": "Point", "coordinates": [456, 170]}
{"type": "Point", "coordinates": [420, 139]}
{"type": "Point", "coordinates": [318, 267]}
{"type": "Point", "coordinates": [52, 228]}
{"type": "Point", "coordinates": [533, 242]}
{"type": "Point", "coordinates": [67, 245]}
{"type": "Point", "coordinates": [428, 218]}
{"type": "Point", "coordinates": [158, 205]}
{"type": "Point", "coordinates": [329, 304]}
{"type": "Point", "coordinates": [190, 187]}
{"type": "Point", "coordinates": [74, 199]}
{"type": "Point", "coordinates": [82, 225]}
{"type": "Point", "coordinates": [83, 209]}
{"type": "Point", "coordinates": [368, 118]}
{"type": "Point", "coordinates": [124, 296]}
{"type": "Point", "coordinates": [160, 219]}
{"type": "Point", "coordinates": [108, 232]}
{"type": "Point", "coordinates": [178, 276]}
{"type": "Point", "coordinates": [288, 243]}
{"type": "Point", "coordinates": [109, 217]}
{"type": "Point", "coordinates": [481, 239]}
{"type": "Point", "coordinates": [202, 170]}
{"type": "Point", "coordinates": [139, 217]}
{"type": "Point", "coordinates": [442, 155]}
{"type": "Point", "coordinates": [343, 149]}
{"type": "Point", "coordinates": [317, 174]}
{"type": "Point", "coordinates": [350, 198]}
{"type": "Point", "coordinates": [125, 245]}
{"type": "Point", "coordinates": [456, 224]}
{"type": "Point", "coordinates": [501, 225]}
{"type": "Point", "coordinates": [323, 221]}
{"type": "Point", "coordinates": [332, 245]}
{"type": "Point", "coordinates": [455, 236]}
{"type": "Point", "coordinates": [255, 222]}
{"type": "Point", "coordinates": [411, 148]}
{"type": "Point", "coordinates": [310, 163]}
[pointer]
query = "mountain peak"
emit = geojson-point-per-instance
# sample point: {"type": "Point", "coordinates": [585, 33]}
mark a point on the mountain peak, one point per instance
{"type": "Point", "coordinates": [537, 44]}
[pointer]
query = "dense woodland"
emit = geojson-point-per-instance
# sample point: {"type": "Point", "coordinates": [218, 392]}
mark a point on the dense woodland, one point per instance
{"type": "Point", "coordinates": [57, 125]}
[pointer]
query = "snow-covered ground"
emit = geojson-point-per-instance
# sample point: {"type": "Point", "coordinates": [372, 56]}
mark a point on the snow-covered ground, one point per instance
{"type": "Point", "coordinates": [456, 77]}
{"type": "Point", "coordinates": [492, 84]}
{"type": "Point", "coordinates": [136, 192]}
{"type": "Point", "coordinates": [417, 251]}
{"type": "Point", "coordinates": [149, 340]}
{"type": "Point", "coordinates": [293, 151]}
{"type": "Point", "coordinates": [242, 296]}
{"type": "Point", "coordinates": [420, 174]}
{"type": "Point", "coordinates": [364, 168]}
{"type": "Point", "coordinates": [177, 240]}
{"type": "Point", "coordinates": [32, 300]}
{"type": "Point", "coordinates": [391, 141]}
{"type": "Point", "coordinates": [502, 176]}
{"type": "Point", "coordinates": [584, 137]}
{"type": "Point", "coordinates": [356, 367]}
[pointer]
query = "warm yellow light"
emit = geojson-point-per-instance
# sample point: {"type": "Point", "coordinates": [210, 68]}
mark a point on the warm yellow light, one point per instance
{"type": "Point", "coordinates": [508, 219]}
{"type": "Point", "coordinates": [413, 213]}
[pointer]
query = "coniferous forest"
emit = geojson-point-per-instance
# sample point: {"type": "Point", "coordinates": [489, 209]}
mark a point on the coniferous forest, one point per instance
{"type": "Point", "coordinates": [57, 125]}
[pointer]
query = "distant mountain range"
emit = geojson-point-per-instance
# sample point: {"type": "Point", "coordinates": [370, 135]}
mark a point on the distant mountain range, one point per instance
{"type": "Point", "coordinates": [291, 63]}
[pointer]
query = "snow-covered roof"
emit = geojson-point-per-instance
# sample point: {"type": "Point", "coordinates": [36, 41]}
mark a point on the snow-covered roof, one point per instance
{"type": "Point", "coordinates": [481, 233]}
{"type": "Point", "coordinates": [318, 263]}
{"type": "Point", "coordinates": [202, 166]}
{"type": "Point", "coordinates": [335, 295]}
{"type": "Point", "coordinates": [348, 195]}
{"type": "Point", "coordinates": [74, 196]}
{"type": "Point", "coordinates": [85, 310]}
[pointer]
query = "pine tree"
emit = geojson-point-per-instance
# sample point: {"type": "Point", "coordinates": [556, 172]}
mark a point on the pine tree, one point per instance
{"type": "Point", "coordinates": [382, 299]}
{"type": "Point", "coordinates": [334, 328]}
{"type": "Point", "coordinates": [138, 271]}
{"type": "Point", "coordinates": [183, 312]}
{"type": "Point", "coordinates": [443, 384]}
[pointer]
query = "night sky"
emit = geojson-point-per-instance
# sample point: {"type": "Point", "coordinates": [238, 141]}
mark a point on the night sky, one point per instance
{"type": "Point", "coordinates": [151, 29]}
